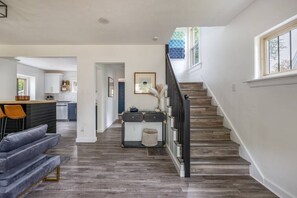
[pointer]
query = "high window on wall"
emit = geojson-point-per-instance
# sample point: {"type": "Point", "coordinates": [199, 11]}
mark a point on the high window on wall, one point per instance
{"type": "Point", "coordinates": [279, 49]}
{"type": "Point", "coordinates": [177, 44]}
{"type": "Point", "coordinates": [195, 46]}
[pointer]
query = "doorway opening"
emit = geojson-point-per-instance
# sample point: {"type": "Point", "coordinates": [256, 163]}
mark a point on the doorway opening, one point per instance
{"type": "Point", "coordinates": [110, 93]}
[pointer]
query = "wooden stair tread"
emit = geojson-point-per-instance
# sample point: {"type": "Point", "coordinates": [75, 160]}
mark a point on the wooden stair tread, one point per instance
{"type": "Point", "coordinates": [202, 106]}
{"type": "Point", "coordinates": [194, 90]}
{"type": "Point", "coordinates": [186, 83]}
{"type": "Point", "coordinates": [211, 143]}
{"type": "Point", "coordinates": [200, 97]}
{"type": "Point", "coordinates": [206, 117]}
{"type": "Point", "coordinates": [234, 160]}
{"type": "Point", "coordinates": [214, 129]}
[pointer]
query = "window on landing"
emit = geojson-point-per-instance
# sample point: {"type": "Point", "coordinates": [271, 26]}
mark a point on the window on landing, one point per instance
{"type": "Point", "coordinates": [177, 44]}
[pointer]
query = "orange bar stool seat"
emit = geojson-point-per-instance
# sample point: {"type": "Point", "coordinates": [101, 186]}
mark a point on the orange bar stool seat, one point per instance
{"type": "Point", "coordinates": [15, 112]}
{"type": "Point", "coordinates": [2, 123]}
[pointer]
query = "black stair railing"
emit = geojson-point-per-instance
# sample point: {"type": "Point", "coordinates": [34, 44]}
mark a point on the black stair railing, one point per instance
{"type": "Point", "coordinates": [181, 111]}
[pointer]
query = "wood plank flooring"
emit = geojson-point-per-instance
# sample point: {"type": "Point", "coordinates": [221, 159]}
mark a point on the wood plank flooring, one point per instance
{"type": "Point", "coordinates": [104, 169]}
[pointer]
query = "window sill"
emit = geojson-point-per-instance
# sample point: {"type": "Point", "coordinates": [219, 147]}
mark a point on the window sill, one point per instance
{"type": "Point", "coordinates": [288, 79]}
{"type": "Point", "coordinates": [196, 66]}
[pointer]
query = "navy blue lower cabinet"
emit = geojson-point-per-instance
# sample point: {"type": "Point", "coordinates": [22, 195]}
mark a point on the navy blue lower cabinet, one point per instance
{"type": "Point", "coordinates": [72, 111]}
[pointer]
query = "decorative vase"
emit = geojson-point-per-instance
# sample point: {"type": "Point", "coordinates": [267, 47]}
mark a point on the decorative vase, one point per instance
{"type": "Point", "coordinates": [162, 104]}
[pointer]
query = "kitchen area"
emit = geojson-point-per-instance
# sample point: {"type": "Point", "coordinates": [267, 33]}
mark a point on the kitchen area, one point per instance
{"type": "Point", "coordinates": [62, 87]}
{"type": "Point", "coordinates": [32, 81]}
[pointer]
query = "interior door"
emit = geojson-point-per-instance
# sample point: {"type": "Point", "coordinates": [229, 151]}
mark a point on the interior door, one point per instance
{"type": "Point", "coordinates": [121, 105]}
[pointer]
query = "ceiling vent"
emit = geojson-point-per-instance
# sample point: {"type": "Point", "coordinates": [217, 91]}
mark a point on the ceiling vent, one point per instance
{"type": "Point", "coordinates": [103, 20]}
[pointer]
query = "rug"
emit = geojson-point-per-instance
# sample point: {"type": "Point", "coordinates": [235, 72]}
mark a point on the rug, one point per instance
{"type": "Point", "coordinates": [156, 152]}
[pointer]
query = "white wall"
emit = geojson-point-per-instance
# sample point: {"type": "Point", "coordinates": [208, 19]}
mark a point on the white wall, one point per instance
{"type": "Point", "coordinates": [39, 78]}
{"type": "Point", "coordinates": [264, 117]}
{"type": "Point", "coordinates": [8, 76]}
{"type": "Point", "coordinates": [149, 58]}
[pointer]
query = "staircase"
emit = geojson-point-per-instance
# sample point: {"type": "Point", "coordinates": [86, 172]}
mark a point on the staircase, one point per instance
{"type": "Point", "coordinates": [212, 151]}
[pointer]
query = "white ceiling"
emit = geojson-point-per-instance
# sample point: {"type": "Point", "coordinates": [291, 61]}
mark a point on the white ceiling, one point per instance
{"type": "Point", "coordinates": [57, 64]}
{"type": "Point", "coordinates": [130, 21]}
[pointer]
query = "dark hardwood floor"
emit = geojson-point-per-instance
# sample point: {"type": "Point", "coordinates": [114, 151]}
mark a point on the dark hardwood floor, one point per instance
{"type": "Point", "coordinates": [104, 169]}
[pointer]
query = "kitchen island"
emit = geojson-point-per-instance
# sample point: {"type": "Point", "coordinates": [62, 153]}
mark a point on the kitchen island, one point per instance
{"type": "Point", "coordinates": [38, 112]}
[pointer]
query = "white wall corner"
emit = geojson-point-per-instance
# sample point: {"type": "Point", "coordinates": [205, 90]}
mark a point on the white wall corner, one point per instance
{"type": "Point", "coordinates": [255, 171]}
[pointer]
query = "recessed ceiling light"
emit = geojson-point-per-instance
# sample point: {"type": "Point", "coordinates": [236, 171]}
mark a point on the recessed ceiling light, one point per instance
{"type": "Point", "coordinates": [103, 20]}
{"type": "Point", "coordinates": [155, 38]}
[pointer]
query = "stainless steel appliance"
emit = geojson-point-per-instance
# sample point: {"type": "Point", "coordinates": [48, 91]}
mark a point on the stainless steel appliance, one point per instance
{"type": "Point", "coordinates": [62, 110]}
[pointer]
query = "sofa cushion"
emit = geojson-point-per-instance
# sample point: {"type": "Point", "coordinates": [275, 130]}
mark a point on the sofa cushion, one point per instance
{"type": "Point", "coordinates": [16, 140]}
{"type": "Point", "coordinates": [22, 154]}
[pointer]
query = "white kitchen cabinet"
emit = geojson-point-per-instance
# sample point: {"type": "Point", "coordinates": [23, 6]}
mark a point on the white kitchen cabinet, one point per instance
{"type": "Point", "coordinates": [52, 83]}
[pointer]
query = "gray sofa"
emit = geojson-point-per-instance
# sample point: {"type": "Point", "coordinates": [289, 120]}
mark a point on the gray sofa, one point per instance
{"type": "Point", "coordinates": [23, 161]}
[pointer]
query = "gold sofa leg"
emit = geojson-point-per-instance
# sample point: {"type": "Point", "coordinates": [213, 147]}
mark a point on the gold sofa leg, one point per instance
{"type": "Point", "coordinates": [54, 179]}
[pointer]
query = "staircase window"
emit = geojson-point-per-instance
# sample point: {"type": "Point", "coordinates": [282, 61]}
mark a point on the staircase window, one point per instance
{"type": "Point", "coordinates": [195, 46]}
{"type": "Point", "coordinates": [177, 44]}
{"type": "Point", "coordinates": [279, 48]}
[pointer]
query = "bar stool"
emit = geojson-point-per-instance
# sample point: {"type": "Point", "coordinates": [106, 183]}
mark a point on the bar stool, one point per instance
{"type": "Point", "coordinates": [15, 112]}
{"type": "Point", "coordinates": [2, 121]}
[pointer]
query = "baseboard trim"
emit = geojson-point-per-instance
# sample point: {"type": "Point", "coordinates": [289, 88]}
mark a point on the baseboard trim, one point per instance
{"type": "Point", "coordinates": [274, 188]}
{"type": "Point", "coordinates": [255, 171]}
{"type": "Point", "coordinates": [106, 127]}
{"type": "Point", "coordinates": [86, 140]}
{"type": "Point", "coordinates": [176, 163]}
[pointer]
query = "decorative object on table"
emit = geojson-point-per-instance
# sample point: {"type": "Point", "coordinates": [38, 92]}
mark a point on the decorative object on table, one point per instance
{"type": "Point", "coordinates": [143, 81]}
{"type": "Point", "coordinates": [3, 10]}
{"type": "Point", "coordinates": [22, 98]}
{"type": "Point", "coordinates": [159, 93]}
{"type": "Point", "coordinates": [110, 87]}
{"type": "Point", "coordinates": [133, 109]}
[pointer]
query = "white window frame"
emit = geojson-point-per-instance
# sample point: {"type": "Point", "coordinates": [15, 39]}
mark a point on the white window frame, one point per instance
{"type": "Point", "coordinates": [192, 47]}
{"type": "Point", "coordinates": [26, 86]}
{"type": "Point", "coordinates": [275, 33]}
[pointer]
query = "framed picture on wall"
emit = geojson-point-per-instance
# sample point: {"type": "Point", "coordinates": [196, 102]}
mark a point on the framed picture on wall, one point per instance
{"type": "Point", "coordinates": [110, 87]}
{"type": "Point", "coordinates": [143, 81]}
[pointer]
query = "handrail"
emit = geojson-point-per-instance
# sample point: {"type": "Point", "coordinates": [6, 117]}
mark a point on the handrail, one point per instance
{"type": "Point", "coordinates": [181, 111]}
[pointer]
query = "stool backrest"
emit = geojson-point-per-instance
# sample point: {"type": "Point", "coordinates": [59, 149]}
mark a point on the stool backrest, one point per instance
{"type": "Point", "coordinates": [14, 111]}
{"type": "Point", "coordinates": [2, 115]}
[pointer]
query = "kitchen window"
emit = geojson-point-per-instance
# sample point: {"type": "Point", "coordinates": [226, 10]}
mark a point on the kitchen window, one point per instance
{"type": "Point", "coordinates": [279, 50]}
{"type": "Point", "coordinates": [22, 87]}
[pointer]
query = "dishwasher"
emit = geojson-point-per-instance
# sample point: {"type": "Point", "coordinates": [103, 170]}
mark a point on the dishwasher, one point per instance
{"type": "Point", "coordinates": [62, 111]}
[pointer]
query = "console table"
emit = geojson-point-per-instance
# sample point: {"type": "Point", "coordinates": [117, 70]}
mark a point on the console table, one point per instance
{"type": "Point", "coordinates": [133, 123]}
